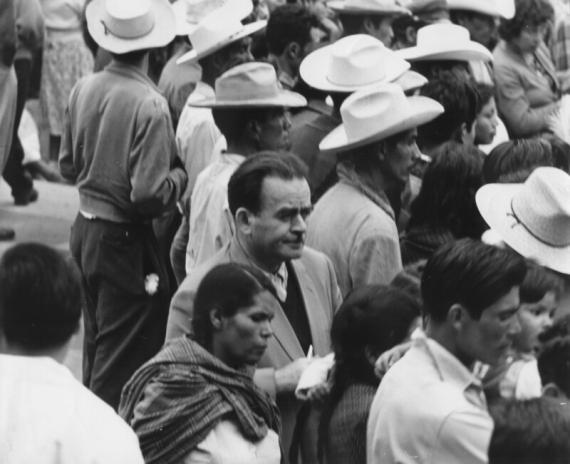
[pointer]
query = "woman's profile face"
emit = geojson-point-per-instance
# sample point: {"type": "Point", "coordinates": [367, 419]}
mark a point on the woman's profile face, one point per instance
{"type": "Point", "coordinates": [242, 339]}
{"type": "Point", "coordinates": [530, 37]}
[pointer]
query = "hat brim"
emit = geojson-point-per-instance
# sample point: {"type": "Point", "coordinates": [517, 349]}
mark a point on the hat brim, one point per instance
{"type": "Point", "coordinates": [411, 80]}
{"type": "Point", "coordinates": [248, 29]}
{"type": "Point", "coordinates": [422, 110]}
{"type": "Point", "coordinates": [494, 203]}
{"type": "Point", "coordinates": [471, 5]}
{"type": "Point", "coordinates": [161, 34]}
{"type": "Point", "coordinates": [285, 98]}
{"type": "Point", "coordinates": [341, 7]}
{"type": "Point", "coordinates": [472, 51]}
{"type": "Point", "coordinates": [313, 71]}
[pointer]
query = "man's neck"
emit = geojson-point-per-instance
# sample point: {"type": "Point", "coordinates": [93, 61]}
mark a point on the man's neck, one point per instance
{"type": "Point", "coordinates": [242, 147]}
{"type": "Point", "coordinates": [269, 266]}
{"type": "Point", "coordinates": [57, 354]}
{"type": "Point", "coordinates": [444, 335]}
{"type": "Point", "coordinates": [284, 66]}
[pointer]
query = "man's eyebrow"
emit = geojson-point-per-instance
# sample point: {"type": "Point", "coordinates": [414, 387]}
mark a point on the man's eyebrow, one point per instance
{"type": "Point", "coordinates": [291, 209]}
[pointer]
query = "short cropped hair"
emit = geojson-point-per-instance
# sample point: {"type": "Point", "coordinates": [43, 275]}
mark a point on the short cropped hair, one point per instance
{"type": "Point", "coordinates": [354, 23]}
{"type": "Point", "coordinates": [527, 13]}
{"type": "Point", "coordinates": [470, 273]}
{"type": "Point", "coordinates": [289, 23]}
{"type": "Point", "coordinates": [554, 363]}
{"type": "Point", "coordinates": [244, 187]}
{"type": "Point", "coordinates": [519, 156]}
{"type": "Point", "coordinates": [228, 288]}
{"type": "Point", "coordinates": [533, 431]}
{"type": "Point", "coordinates": [459, 97]}
{"type": "Point", "coordinates": [40, 297]}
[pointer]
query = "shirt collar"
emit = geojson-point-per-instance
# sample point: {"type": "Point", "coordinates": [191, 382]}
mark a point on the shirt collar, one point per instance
{"type": "Point", "coordinates": [129, 70]}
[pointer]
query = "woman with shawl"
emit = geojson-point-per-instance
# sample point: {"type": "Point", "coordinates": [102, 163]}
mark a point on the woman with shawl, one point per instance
{"type": "Point", "coordinates": [195, 401]}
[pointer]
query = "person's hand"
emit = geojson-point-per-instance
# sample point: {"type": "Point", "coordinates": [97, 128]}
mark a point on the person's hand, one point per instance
{"type": "Point", "coordinates": [287, 378]}
{"type": "Point", "coordinates": [318, 394]}
{"type": "Point", "coordinates": [564, 79]}
{"type": "Point", "coordinates": [389, 358]}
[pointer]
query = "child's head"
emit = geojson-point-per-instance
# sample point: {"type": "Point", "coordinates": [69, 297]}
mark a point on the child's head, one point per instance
{"type": "Point", "coordinates": [486, 121]}
{"type": "Point", "coordinates": [539, 295]}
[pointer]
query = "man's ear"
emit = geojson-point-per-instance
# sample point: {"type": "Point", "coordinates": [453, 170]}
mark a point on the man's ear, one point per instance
{"type": "Point", "coordinates": [368, 26]}
{"type": "Point", "coordinates": [411, 35]}
{"type": "Point", "coordinates": [216, 318]}
{"type": "Point", "coordinates": [553, 391]}
{"type": "Point", "coordinates": [293, 51]}
{"type": "Point", "coordinates": [456, 316]}
{"type": "Point", "coordinates": [243, 220]}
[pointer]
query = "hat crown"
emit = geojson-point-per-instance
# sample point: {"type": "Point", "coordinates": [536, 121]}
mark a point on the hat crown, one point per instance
{"type": "Point", "coordinates": [440, 35]}
{"type": "Point", "coordinates": [357, 60]}
{"type": "Point", "coordinates": [542, 206]}
{"type": "Point", "coordinates": [374, 4]}
{"type": "Point", "coordinates": [128, 19]}
{"type": "Point", "coordinates": [365, 111]}
{"type": "Point", "coordinates": [248, 81]}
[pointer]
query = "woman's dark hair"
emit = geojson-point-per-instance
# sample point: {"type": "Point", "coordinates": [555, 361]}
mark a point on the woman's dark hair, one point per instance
{"type": "Point", "coordinates": [554, 363]}
{"type": "Point", "coordinates": [470, 273]}
{"type": "Point", "coordinates": [227, 287]}
{"type": "Point", "coordinates": [375, 318]}
{"type": "Point", "coordinates": [40, 297]}
{"type": "Point", "coordinates": [560, 152]}
{"type": "Point", "coordinates": [514, 160]}
{"type": "Point", "coordinates": [530, 432]}
{"type": "Point", "coordinates": [486, 92]}
{"type": "Point", "coordinates": [447, 196]}
{"type": "Point", "coordinates": [528, 13]}
{"type": "Point", "coordinates": [537, 282]}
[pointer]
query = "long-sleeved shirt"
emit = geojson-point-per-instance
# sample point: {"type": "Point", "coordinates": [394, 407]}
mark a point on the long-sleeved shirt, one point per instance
{"type": "Point", "coordinates": [118, 146]}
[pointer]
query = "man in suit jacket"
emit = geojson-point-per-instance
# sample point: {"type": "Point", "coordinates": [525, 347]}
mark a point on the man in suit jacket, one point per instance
{"type": "Point", "coordinates": [269, 198]}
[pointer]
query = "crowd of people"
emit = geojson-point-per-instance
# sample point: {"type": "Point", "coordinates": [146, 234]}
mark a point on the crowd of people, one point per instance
{"type": "Point", "coordinates": [309, 231]}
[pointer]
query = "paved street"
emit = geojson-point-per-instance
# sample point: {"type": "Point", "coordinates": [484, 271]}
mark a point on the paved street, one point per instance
{"type": "Point", "coordinates": [47, 221]}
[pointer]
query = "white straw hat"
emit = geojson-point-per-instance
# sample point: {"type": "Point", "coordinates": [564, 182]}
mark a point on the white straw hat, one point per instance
{"type": "Point", "coordinates": [373, 114]}
{"type": "Point", "coordinates": [378, 7]}
{"type": "Point", "coordinates": [252, 85]}
{"type": "Point", "coordinates": [532, 218]}
{"type": "Point", "coordinates": [220, 28]}
{"type": "Point", "coordinates": [129, 25]}
{"type": "Point", "coordinates": [352, 63]}
{"type": "Point", "coordinates": [445, 41]}
{"type": "Point", "coordinates": [189, 13]}
{"type": "Point", "coordinates": [497, 8]}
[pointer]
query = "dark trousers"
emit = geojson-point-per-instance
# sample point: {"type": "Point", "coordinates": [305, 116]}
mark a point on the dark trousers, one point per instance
{"type": "Point", "coordinates": [14, 173]}
{"type": "Point", "coordinates": [124, 324]}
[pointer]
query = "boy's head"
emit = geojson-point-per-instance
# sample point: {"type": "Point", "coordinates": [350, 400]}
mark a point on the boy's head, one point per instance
{"type": "Point", "coordinates": [40, 299]}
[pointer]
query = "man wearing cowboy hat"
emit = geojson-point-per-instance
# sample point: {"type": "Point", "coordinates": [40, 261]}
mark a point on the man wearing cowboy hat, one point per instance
{"type": "Point", "coordinates": [424, 12]}
{"type": "Point", "coordinates": [373, 17]}
{"type": "Point", "coordinates": [269, 201]}
{"type": "Point", "coordinates": [220, 41]}
{"type": "Point", "coordinates": [350, 64]}
{"type": "Point", "coordinates": [354, 222]}
{"type": "Point", "coordinates": [250, 108]}
{"type": "Point", "coordinates": [430, 407]}
{"type": "Point", "coordinates": [118, 147]}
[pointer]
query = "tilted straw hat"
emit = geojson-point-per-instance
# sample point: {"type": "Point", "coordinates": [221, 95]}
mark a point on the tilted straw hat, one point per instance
{"type": "Point", "coordinates": [376, 113]}
{"type": "Point", "coordinates": [377, 7]}
{"type": "Point", "coordinates": [220, 28]}
{"type": "Point", "coordinates": [532, 218]}
{"type": "Point", "coordinates": [497, 8]}
{"type": "Point", "coordinates": [189, 13]}
{"type": "Point", "coordinates": [129, 25]}
{"type": "Point", "coordinates": [352, 63]}
{"type": "Point", "coordinates": [445, 41]}
{"type": "Point", "coordinates": [250, 85]}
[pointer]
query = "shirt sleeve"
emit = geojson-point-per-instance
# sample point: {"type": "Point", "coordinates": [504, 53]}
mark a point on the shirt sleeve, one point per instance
{"type": "Point", "coordinates": [561, 46]}
{"type": "Point", "coordinates": [66, 164]}
{"type": "Point", "coordinates": [464, 438]}
{"type": "Point", "coordinates": [156, 184]}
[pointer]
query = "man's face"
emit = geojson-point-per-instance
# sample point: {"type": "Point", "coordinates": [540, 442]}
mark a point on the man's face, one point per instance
{"type": "Point", "coordinates": [273, 130]}
{"type": "Point", "coordinates": [482, 28]}
{"type": "Point", "coordinates": [486, 123]}
{"type": "Point", "coordinates": [278, 230]}
{"type": "Point", "coordinates": [489, 339]}
{"type": "Point", "coordinates": [383, 30]}
{"type": "Point", "coordinates": [400, 154]}
{"type": "Point", "coordinates": [236, 53]}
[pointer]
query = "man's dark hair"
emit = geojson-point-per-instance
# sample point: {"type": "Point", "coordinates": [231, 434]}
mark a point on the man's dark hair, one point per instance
{"type": "Point", "coordinates": [40, 297]}
{"type": "Point", "coordinates": [244, 187]}
{"type": "Point", "coordinates": [227, 287]}
{"type": "Point", "coordinates": [533, 431]}
{"type": "Point", "coordinates": [514, 160]}
{"type": "Point", "coordinates": [554, 363]}
{"type": "Point", "coordinates": [470, 273]}
{"type": "Point", "coordinates": [528, 13]}
{"type": "Point", "coordinates": [353, 23]}
{"type": "Point", "coordinates": [289, 23]}
{"type": "Point", "coordinates": [233, 122]}
{"type": "Point", "coordinates": [460, 99]}
{"type": "Point", "coordinates": [130, 57]}
{"type": "Point", "coordinates": [486, 92]}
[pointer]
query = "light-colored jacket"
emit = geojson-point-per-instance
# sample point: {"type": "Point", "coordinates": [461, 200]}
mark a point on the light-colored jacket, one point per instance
{"type": "Point", "coordinates": [358, 234]}
{"type": "Point", "coordinates": [321, 295]}
{"type": "Point", "coordinates": [524, 97]}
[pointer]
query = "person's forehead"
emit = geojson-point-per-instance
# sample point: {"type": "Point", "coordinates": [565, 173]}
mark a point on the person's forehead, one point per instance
{"type": "Point", "coordinates": [278, 191]}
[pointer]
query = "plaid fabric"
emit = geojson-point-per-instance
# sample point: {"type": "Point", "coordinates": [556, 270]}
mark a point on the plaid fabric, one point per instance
{"type": "Point", "coordinates": [179, 396]}
{"type": "Point", "coordinates": [561, 45]}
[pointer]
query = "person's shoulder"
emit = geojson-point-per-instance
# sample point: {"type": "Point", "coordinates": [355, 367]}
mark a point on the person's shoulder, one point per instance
{"type": "Point", "coordinates": [312, 259]}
